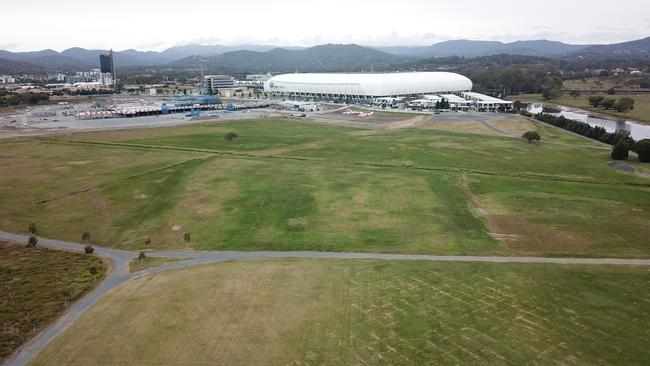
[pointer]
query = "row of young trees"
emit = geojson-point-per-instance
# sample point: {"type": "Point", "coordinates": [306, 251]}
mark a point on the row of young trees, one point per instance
{"type": "Point", "coordinates": [443, 104]}
{"type": "Point", "coordinates": [583, 128]}
{"type": "Point", "coordinates": [8, 98]}
{"type": "Point", "coordinates": [622, 142]}
{"type": "Point", "coordinates": [622, 105]}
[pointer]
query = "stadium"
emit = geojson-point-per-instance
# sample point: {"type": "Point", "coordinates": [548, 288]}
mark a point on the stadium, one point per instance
{"type": "Point", "coordinates": [367, 86]}
{"type": "Point", "coordinates": [385, 89]}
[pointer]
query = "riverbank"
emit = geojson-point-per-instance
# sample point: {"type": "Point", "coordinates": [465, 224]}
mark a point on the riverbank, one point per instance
{"type": "Point", "coordinates": [640, 114]}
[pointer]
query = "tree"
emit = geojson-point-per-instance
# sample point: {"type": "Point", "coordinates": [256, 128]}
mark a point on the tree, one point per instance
{"type": "Point", "coordinates": [575, 94]}
{"type": "Point", "coordinates": [93, 271]}
{"type": "Point", "coordinates": [531, 136]}
{"type": "Point", "coordinates": [643, 149]}
{"type": "Point", "coordinates": [518, 105]}
{"type": "Point", "coordinates": [608, 103]}
{"type": "Point", "coordinates": [88, 249]}
{"type": "Point", "coordinates": [85, 237]}
{"type": "Point", "coordinates": [32, 229]}
{"type": "Point", "coordinates": [620, 151]}
{"type": "Point", "coordinates": [141, 257]}
{"type": "Point", "coordinates": [230, 136]}
{"type": "Point", "coordinates": [595, 100]}
{"type": "Point", "coordinates": [187, 238]}
{"type": "Point", "coordinates": [552, 92]}
{"type": "Point", "coordinates": [625, 104]}
{"type": "Point", "coordinates": [553, 87]}
{"type": "Point", "coordinates": [32, 241]}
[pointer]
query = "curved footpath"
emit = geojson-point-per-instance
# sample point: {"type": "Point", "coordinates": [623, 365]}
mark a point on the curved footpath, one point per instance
{"type": "Point", "coordinates": [119, 273]}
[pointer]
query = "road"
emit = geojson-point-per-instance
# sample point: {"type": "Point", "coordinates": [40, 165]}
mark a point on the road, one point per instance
{"type": "Point", "coordinates": [119, 273]}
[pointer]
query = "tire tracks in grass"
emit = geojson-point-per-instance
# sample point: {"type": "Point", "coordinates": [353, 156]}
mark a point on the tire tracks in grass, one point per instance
{"type": "Point", "coordinates": [107, 184]}
{"type": "Point", "coordinates": [256, 156]}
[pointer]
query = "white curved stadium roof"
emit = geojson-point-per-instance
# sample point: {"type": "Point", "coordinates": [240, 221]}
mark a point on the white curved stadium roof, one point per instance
{"type": "Point", "coordinates": [372, 85]}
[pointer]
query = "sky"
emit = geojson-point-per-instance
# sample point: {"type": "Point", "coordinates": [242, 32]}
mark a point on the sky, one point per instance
{"type": "Point", "coordinates": [28, 25]}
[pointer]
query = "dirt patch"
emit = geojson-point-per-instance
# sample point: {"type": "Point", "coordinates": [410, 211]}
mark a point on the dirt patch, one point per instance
{"type": "Point", "coordinates": [378, 120]}
{"type": "Point", "coordinates": [286, 149]}
{"type": "Point", "coordinates": [515, 126]}
{"type": "Point", "coordinates": [625, 167]}
{"type": "Point", "coordinates": [522, 235]}
{"type": "Point", "coordinates": [459, 126]}
{"type": "Point", "coordinates": [517, 233]}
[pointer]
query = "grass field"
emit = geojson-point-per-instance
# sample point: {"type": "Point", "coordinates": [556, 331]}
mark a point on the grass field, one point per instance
{"type": "Point", "coordinates": [640, 113]}
{"type": "Point", "coordinates": [287, 185]}
{"type": "Point", "coordinates": [596, 83]}
{"type": "Point", "coordinates": [36, 285]}
{"type": "Point", "coordinates": [332, 312]}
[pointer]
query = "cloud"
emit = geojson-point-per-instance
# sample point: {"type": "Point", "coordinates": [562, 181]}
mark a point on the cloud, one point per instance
{"type": "Point", "coordinates": [9, 46]}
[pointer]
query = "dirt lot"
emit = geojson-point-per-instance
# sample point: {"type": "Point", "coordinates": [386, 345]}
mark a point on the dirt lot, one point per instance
{"type": "Point", "coordinates": [382, 120]}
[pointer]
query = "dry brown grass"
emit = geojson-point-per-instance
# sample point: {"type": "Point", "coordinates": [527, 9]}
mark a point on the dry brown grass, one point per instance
{"type": "Point", "coordinates": [355, 312]}
{"type": "Point", "coordinates": [515, 127]}
{"type": "Point", "coordinates": [468, 126]}
{"type": "Point", "coordinates": [36, 286]}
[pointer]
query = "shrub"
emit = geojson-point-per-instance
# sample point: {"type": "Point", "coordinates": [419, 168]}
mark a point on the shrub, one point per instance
{"type": "Point", "coordinates": [620, 151]}
{"type": "Point", "coordinates": [595, 100]}
{"type": "Point", "coordinates": [608, 103]}
{"type": "Point", "coordinates": [531, 136]}
{"type": "Point", "coordinates": [85, 237]}
{"type": "Point", "coordinates": [230, 136]}
{"type": "Point", "coordinates": [643, 149]}
{"type": "Point", "coordinates": [147, 241]}
{"type": "Point", "coordinates": [552, 92]}
{"type": "Point", "coordinates": [551, 109]}
{"type": "Point", "coordinates": [32, 241]}
{"type": "Point", "coordinates": [93, 271]}
{"type": "Point", "coordinates": [625, 104]}
{"type": "Point", "coordinates": [88, 249]}
{"type": "Point", "coordinates": [32, 229]}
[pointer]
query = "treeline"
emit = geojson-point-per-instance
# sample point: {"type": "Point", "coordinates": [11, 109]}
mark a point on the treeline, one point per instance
{"type": "Point", "coordinates": [622, 105]}
{"type": "Point", "coordinates": [621, 141]}
{"type": "Point", "coordinates": [584, 129]}
{"type": "Point", "coordinates": [8, 98]}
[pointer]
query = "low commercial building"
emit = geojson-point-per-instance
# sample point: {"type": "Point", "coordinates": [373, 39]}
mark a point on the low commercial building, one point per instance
{"type": "Point", "coordinates": [482, 102]}
{"type": "Point", "coordinates": [213, 83]}
{"type": "Point", "coordinates": [6, 79]}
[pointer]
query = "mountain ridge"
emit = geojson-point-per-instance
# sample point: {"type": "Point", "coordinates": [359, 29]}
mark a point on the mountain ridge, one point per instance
{"type": "Point", "coordinates": [328, 57]}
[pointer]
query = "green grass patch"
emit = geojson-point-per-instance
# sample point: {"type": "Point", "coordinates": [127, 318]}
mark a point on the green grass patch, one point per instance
{"type": "Point", "coordinates": [307, 186]}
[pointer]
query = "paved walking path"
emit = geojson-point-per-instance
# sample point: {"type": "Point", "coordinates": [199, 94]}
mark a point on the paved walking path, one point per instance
{"type": "Point", "coordinates": [119, 274]}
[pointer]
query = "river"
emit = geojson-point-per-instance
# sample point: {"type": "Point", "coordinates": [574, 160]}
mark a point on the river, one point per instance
{"type": "Point", "coordinates": [637, 131]}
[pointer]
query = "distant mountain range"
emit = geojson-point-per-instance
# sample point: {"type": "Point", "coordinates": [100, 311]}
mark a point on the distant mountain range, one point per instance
{"type": "Point", "coordinates": [470, 48]}
{"type": "Point", "coordinates": [330, 57]}
{"type": "Point", "coordinates": [639, 49]}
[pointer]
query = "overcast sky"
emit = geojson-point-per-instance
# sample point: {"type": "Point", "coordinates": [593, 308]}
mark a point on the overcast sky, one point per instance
{"type": "Point", "coordinates": [156, 25]}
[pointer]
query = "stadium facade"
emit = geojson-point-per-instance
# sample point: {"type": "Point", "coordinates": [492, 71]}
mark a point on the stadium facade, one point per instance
{"type": "Point", "coordinates": [366, 86]}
